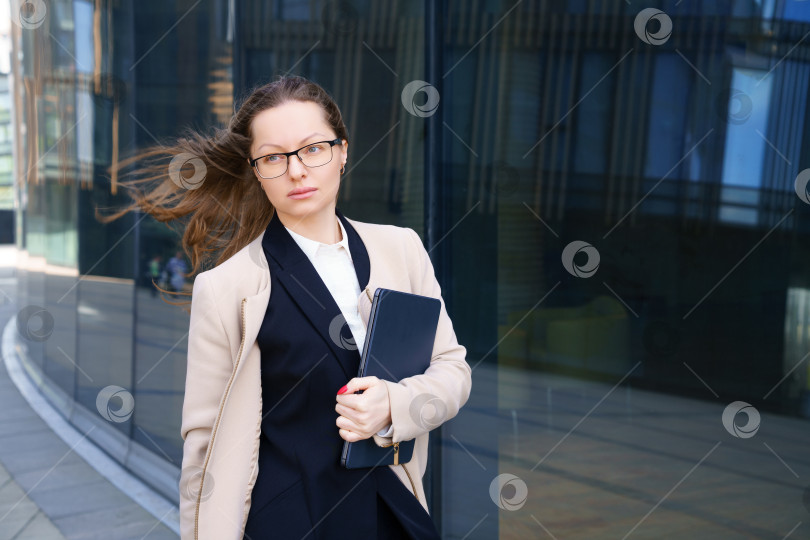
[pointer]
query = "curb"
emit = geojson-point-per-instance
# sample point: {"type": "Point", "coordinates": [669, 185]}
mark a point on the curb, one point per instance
{"type": "Point", "coordinates": [130, 485]}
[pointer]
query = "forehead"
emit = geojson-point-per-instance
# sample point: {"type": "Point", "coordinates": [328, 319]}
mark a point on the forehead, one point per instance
{"type": "Point", "coordinates": [287, 124]}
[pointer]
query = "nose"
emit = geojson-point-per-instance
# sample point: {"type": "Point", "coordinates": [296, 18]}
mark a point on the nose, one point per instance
{"type": "Point", "coordinates": [296, 167]}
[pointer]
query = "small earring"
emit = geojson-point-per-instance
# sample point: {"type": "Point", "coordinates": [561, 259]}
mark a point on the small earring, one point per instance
{"type": "Point", "coordinates": [343, 169]}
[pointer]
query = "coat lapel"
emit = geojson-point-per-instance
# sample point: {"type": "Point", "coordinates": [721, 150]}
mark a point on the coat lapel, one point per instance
{"type": "Point", "coordinates": [295, 272]}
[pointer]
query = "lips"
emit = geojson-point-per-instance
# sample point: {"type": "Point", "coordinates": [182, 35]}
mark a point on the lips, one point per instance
{"type": "Point", "coordinates": [298, 191]}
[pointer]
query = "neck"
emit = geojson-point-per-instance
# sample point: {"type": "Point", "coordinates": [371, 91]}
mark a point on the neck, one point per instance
{"type": "Point", "coordinates": [321, 227]}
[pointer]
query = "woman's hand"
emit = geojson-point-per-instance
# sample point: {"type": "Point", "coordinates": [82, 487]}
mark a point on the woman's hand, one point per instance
{"type": "Point", "coordinates": [362, 415]}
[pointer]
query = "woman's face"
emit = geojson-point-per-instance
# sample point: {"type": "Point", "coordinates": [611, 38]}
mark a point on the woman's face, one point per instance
{"type": "Point", "coordinates": [288, 127]}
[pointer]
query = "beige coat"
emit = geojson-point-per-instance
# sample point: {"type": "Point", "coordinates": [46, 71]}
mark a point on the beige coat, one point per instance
{"type": "Point", "coordinates": [222, 407]}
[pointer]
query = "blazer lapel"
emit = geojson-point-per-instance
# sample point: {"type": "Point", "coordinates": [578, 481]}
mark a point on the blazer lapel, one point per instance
{"type": "Point", "coordinates": [295, 272]}
{"type": "Point", "coordinates": [360, 257]}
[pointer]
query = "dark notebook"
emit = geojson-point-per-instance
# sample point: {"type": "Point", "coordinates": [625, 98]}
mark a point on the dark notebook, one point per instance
{"type": "Point", "coordinates": [399, 343]}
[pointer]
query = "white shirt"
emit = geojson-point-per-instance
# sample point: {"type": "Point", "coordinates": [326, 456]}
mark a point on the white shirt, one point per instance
{"type": "Point", "coordinates": [335, 267]}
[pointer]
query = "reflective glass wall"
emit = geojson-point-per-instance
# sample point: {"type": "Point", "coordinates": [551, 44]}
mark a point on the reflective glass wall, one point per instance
{"type": "Point", "coordinates": [624, 188]}
{"type": "Point", "coordinates": [95, 81]}
{"type": "Point", "coordinates": [614, 196]}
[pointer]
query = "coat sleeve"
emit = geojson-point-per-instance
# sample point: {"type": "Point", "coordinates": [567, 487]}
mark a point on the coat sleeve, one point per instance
{"type": "Point", "coordinates": [423, 402]}
{"type": "Point", "coordinates": [208, 370]}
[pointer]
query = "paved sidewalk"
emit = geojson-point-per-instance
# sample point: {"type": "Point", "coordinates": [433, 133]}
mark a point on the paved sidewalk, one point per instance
{"type": "Point", "coordinates": [47, 491]}
{"type": "Point", "coordinates": [19, 516]}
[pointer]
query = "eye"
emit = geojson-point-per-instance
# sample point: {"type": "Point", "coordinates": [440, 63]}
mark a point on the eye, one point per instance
{"type": "Point", "coordinates": [271, 158]}
{"type": "Point", "coordinates": [314, 149]}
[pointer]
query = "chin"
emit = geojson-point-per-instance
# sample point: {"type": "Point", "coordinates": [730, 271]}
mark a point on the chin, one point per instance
{"type": "Point", "coordinates": [303, 208]}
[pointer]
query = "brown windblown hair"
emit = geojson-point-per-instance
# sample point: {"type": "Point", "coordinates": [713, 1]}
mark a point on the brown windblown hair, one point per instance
{"type": "Point", "coordinates": [227, 208]}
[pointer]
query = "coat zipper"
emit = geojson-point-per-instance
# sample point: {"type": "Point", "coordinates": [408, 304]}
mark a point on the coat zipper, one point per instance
{"type": "Point", "coordinates": [396, 451]}
{"type": "Point", "coordinates": [216, 424]}
{"type": "Point", "coordinates": [396, 462]}
{"type": "Point", "coordinates": [411, 480]}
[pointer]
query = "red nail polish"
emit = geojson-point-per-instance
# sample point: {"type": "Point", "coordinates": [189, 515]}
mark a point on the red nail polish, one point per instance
{"type": "Point", "coordinates": [342, 389]}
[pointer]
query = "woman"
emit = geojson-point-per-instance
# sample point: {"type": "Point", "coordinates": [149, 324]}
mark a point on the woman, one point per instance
{"type": "Point", "coordinates": [277, 328]}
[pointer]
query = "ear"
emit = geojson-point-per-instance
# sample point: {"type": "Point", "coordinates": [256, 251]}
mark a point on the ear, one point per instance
{"type": "Point", "coordinates": [253, 170]}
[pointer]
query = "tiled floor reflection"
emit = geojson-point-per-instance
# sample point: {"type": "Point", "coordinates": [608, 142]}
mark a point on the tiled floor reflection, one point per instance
{"type": "Point", "coordinates": [605, 462]}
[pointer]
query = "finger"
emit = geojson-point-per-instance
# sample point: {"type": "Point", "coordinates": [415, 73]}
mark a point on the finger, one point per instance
{"type": "Point", "coordinates": [351, 401]}
{"type": "Point", "coordinates": [349, 397]}
{"type": "Point", "coordinates": [343, 410]}
{"type": "Point", "coordinates": [356, 402]}
{"type": "Point", "coordinates": [346, 399]}
{"type": "Point", "coordinates": [359, 383]}
{"type": "Point", "coordinates": [347, 423]}
{"type": "Point", "coordinates": [349, 436]}
{"type": "Point", "coordinates": [358, 425]}
{"type": "Point", "coordinates": [354, 435]}
{"type": "Point", "coordinates": [355, 414]}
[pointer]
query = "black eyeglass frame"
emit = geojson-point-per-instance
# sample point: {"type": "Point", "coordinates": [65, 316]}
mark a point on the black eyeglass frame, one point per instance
{"type": "Point", "coordinates": [288, 155]}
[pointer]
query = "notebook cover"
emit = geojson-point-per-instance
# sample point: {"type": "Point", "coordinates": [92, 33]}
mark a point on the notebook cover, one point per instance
{"type": "Point", "coordinates": [399, 343]}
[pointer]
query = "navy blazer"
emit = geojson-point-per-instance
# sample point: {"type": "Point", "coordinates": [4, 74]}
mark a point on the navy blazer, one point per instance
{"type": "Point", "coordinates": [302, 490]}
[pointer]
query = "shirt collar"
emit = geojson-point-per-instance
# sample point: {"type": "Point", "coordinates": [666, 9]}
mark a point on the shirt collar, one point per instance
{"type": "Point", "coordinates": [310, 247]}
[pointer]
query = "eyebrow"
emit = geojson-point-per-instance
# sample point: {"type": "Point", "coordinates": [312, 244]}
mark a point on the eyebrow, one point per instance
{"type": "Point", "coordinates": [301, 142]}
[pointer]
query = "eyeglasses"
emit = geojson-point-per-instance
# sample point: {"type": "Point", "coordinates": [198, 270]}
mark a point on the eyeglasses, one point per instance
{"type": "Point", "coordinates": [311, 155]}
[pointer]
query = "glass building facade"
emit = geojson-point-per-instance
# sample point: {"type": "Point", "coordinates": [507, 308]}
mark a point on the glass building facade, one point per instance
{"type": "Point", "coordinates": [614, 196]}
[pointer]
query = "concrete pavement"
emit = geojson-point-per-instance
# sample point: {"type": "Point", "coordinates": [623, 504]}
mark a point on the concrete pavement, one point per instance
{"type": "Point", "coordinates": [47, 491]}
